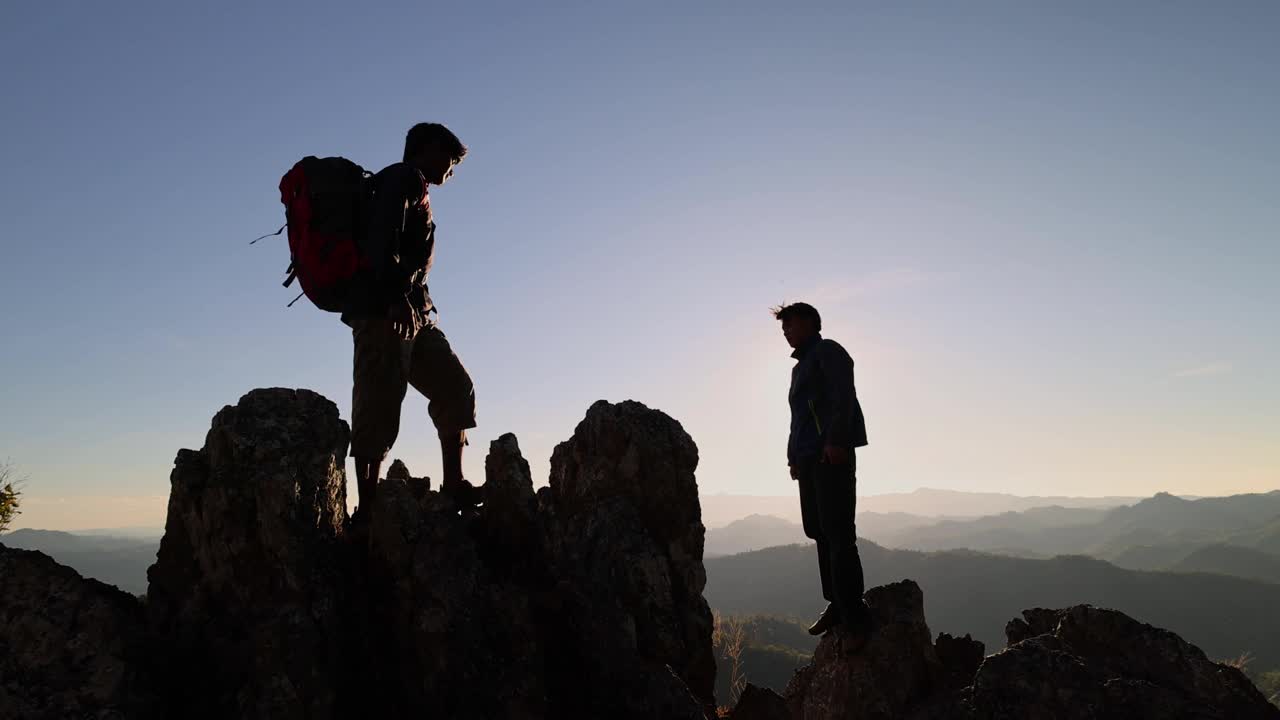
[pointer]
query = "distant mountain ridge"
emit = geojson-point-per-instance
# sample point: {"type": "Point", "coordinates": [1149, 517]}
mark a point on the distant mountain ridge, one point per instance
{"type": "Point", "coordinates": [119, 561]}
{"type": "Point", "coordinates": [720, 509]}
{"type": "Point", "coordinates": [1157, 533]}
{"type": "Point", "coordinates": [1170, 526]}
{"type": "Point", "coordinates": [51, 541]}
{"type": "Point", "coordinates": [753, 532]}
{"type": "Point", "coordinates": [958, 503]}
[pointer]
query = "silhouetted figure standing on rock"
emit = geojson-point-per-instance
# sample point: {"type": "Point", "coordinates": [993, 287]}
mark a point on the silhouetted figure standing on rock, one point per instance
{"type": "Point", "coordinates": [397, 341]}
{"type": "Point", "coordinates": [826, 427]}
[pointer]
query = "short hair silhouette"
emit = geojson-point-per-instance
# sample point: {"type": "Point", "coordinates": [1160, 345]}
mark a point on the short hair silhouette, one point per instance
{"type": "Point", "coordinates": [798, 310]}
{"type": "Point", "coordinates": [424, 134]}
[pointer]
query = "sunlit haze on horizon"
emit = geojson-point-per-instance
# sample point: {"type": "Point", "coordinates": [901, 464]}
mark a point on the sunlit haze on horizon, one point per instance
{"type": "Point", "coordinates": [1046, 235]}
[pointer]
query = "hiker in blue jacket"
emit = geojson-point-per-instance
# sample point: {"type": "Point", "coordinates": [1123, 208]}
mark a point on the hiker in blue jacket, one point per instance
{"type": "Point", "coordinates": [826, 427]}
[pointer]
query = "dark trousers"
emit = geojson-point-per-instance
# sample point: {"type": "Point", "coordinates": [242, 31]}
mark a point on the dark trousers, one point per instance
{"type": "Point", "coordinates": [828, 497]}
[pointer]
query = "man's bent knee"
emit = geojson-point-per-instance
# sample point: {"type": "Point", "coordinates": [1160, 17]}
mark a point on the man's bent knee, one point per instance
{"type": "Point", "coordinates": [453, 408]}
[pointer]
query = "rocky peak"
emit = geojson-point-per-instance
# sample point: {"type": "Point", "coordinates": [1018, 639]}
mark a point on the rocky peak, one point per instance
{"type": "Point", "coordinates": [898, 673]}
{"type": "Point", "coordinates": [582, 600]}
{"type": "Point", "coordinates": [625, 536]}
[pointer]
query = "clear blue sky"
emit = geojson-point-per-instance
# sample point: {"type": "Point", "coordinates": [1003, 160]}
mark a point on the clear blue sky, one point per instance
{"type": "Point", "coordinates": [1047, 235]}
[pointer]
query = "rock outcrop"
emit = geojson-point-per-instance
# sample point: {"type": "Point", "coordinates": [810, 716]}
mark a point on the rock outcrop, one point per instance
{"type": "Point", "coordinates": [249, 591]}
{"type": "Point", "coordinates": [1079, 663]}
{"type": "Point", "coordinates": [1087, 662]}
{"type": "Point", "coordinates": [757, 703]}
{"type": "Point", "coordinates": [70, 647]}
{"type": "Point", "coordinates": [450, 635]}
{"type": "Point", "coordinates": [582, 600]}
{"type": "Point", "coordinates": [896, 674]}
{"type": "Point", "coordinates": [626, 539]}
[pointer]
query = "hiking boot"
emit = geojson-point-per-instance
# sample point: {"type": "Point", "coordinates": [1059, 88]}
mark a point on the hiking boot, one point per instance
{"type": "Point", "coordinates": [462, 493]}
{"type": "Point", "coordinates": [830, 618]}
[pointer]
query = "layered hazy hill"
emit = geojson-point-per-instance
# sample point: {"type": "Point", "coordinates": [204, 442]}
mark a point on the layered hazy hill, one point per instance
{"type": "Point", "coordinates": [1221, 558]}
{"type": "Point", "coordinates": [1235, 535]}
{"type": "Point", "coordinates": [753, 532]}
{"type": "Point", "coordinates": [1161, 532]}
{"type": "Point", "coordinates": [969, 592]}
{"type": "Point", "coordinates": [721, 509]}
{"type": "Point", "coordinates": [115, 560]}
{"type": "Point", "coordinates": [1230, 560]}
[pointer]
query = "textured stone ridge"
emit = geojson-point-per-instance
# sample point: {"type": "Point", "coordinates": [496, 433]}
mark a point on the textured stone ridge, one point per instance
{"type": "Point", "coordinates": [249, 589]}
{"type": "Point", "coordinates": [70, 647]}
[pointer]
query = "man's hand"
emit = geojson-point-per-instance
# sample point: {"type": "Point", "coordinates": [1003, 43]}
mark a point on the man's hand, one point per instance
{"type": "Point", "coordinates": [402, 319]}
{"type": "Point", "coordinates": [835, 455]}
{"type": "Point", "coordinates": [795, 472]}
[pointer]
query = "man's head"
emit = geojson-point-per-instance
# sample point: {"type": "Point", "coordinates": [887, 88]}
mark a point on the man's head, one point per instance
{"type": "Point", "coordinates": [434, 150]}
{"type": "Point", "coordinates": [800, 322]}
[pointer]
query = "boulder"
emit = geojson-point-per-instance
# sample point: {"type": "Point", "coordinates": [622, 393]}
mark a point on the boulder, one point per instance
{"type": "Point", "coordinates": [1087, 662]}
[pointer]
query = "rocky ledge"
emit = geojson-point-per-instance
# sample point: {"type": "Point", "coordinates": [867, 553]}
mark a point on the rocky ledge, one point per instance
{"type": "Point", "coordinates": [582, 600]}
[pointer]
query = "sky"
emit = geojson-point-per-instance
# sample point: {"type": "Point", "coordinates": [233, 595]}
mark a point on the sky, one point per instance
{"type": "Point", "coordinates": [1047, 235]}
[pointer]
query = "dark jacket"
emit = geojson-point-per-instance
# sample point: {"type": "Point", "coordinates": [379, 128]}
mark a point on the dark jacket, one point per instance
{"type": "Point", "coordinates": [824, 402]}
{"type": "Point", "coordinates": [399, 243]}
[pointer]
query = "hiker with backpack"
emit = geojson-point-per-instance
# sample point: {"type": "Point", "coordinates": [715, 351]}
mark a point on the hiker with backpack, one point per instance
{"type": "Point", "coordinates": [826, 427]}
{"type": "Point", "coordinates": [363, 245]}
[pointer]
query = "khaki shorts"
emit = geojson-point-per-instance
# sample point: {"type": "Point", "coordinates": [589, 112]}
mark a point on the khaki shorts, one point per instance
{"type": "Point", "coordinates": [385, 365]}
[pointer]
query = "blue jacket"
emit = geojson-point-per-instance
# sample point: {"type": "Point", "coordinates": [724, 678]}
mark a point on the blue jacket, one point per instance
{"type": "Point", "coordinates": [824, 402]}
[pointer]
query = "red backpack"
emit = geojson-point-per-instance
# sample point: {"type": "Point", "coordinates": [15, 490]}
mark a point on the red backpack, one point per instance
{"type": "Point", "coordinates": [325, 208]}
